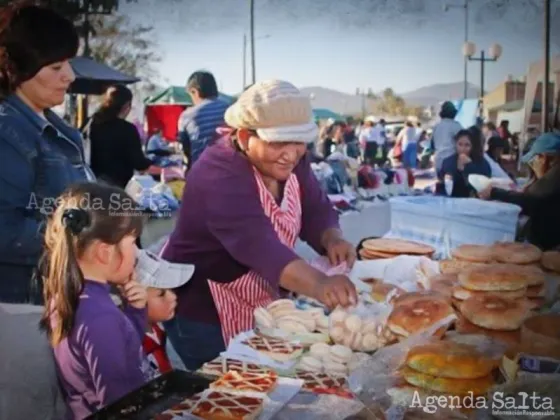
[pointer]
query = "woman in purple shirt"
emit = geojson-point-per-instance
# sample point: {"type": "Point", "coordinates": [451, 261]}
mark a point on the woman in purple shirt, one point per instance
{"type": "Point", "coordinates": [90, 242]}
{"type": "Point", "coordinates": [248, 198]}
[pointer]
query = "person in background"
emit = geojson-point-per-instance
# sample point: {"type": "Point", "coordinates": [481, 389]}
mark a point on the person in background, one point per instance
{"type": "Point", "coordinates": [468, 159]}
{"type": "Point", "coordinates": [409, 145]}
{"type": "Point", "coordinates": [369, 140]}
{"type": "Point", "coordinates": [443, 135]}
{"type": "Point", "coordinates": [161, 305]}
{"type": "Point", "coordinates": [28, 382]}
{"type": "Point", "coordinates": [157, 147]}
{"type": "Point", "coordinates": [40, 155]}
{"type": "Point", "coordinates": [116, 148]}
{"type": "Point", "coordinates": [488, 131]}
{"type": "Point", "coordinates": [540, 200]}
{"type": "Point", "coordinates": [97, 347]}
{"type": "Point", "coordinates": [198, 124]}
{"type": "Point", "coordinates": [505, 135]}
{"type": "Point", "coordinates": [496, 147]}
{"type": "Point", "coordinates": [250, 196]}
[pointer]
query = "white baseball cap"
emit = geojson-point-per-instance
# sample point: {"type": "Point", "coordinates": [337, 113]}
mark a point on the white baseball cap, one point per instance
{"type": "Point", "coordinates": [153, 271]}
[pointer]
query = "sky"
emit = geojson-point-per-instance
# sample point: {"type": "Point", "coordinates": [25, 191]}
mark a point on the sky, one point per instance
{"type": "Point", "coordinates": [402, 44]}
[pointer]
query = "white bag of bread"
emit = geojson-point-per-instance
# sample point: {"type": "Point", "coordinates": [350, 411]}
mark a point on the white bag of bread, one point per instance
{"type": "Point", "coordinates": [361, 328]}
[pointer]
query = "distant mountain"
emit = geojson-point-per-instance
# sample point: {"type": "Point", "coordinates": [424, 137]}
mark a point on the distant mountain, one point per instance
{"type": "Point", "coordinates": [434, 94]}
{"type": "Point", "coordinates": [339, 102]}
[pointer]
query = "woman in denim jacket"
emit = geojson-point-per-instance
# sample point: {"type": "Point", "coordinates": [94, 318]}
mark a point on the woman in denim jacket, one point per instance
{"type": "Point", "coordinates": [40, 155]}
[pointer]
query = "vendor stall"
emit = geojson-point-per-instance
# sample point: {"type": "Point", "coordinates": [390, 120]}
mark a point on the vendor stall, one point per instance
{"type": "Point", "coordinates": [422, 327]}
{"type": "Point", "coordinates": [163, 110]}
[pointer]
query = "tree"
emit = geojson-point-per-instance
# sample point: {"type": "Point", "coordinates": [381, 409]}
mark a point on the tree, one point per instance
{"type": "Point", "coordinates": [391, 103]}
{"type": "Point", "coordinates": [125, 47]}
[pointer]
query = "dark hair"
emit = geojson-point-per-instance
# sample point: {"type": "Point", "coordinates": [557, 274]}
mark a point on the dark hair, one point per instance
{"type": "Point", "coordinates": [85, 213]}
{"type": "Point", "coordinates": [32, 37]}
{"type": "Point", "coordinates": [503, 123]}
{"type": "Point", "coordinates": [409, 124]}
{"type": "Point", "coordinates": [476, 144]}
{"type": "Point", "coordinates": [205, 84]}
{"type": "Point", "coordinates": [448, 111]}
{"type": "Point", "coordinates": [116, 98]}
{"type": "Point", "coordinates": [490, 126]}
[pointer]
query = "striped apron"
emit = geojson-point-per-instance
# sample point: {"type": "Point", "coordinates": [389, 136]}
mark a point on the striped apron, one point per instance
{"type": "Point", "coordinates": [236, 301]}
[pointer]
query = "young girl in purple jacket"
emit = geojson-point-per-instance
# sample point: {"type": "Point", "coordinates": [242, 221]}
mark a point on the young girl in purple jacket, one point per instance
{"type": "Point", "coordinates": [90, 244]}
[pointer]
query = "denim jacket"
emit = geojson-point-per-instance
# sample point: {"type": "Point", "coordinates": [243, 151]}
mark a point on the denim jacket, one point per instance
{"type": "Point", "coordinates": [39, 158]}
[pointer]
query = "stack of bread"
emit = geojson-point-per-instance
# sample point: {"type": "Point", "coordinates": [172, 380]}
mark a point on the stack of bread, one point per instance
{"type": "Point", "coordinates": [550, 261]}
{"type": "Point", "coordinates": [384, 292]}
{"type": "Point", "coordinates": [449, 368]}
{"type": "Point", "coordinates": [414, 312]}
{"type": "Point", "coordinates": [356, 332]}
{"type": "Point", "coordinates": [335, 360]}
{"type": "Point", "coordinates": [382, 248]}
{"type": "Point", "coordinates": [282, 314]}
{"type": "Point", "coordinates": [496, 299]}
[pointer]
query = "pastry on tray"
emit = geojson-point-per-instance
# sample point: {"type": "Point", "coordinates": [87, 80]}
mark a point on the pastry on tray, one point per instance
{"type": "Point", "coordinates": [245, 381]}
{"type": "Point", "coordinates": [225, 406]}
{"type": "Point", "coordinates": [276, 349]}
{"type": "Point", "coordinates": [322, 383]}
{"type": "Point", "coordinates": [221, 365]}
{"type": "Point", "coordinates": [180, 409]}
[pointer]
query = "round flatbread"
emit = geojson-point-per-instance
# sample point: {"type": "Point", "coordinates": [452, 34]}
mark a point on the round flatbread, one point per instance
{"type": "Point", "coordinates": [516, 253]}
{"type": "Point", "coordinates": [473, 253]}
{"type": "Point", "coordinates": [397, 246]}
{"type": "Point", "coordinates": [551, 261]}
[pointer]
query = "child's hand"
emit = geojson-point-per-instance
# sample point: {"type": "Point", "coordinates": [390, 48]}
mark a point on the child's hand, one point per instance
{"type": "Point", "coordinates": [135, 294]}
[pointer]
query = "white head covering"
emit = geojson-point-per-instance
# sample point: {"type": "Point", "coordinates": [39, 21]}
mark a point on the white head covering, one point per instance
{"type": "Point", "coordinates": [276, 110]}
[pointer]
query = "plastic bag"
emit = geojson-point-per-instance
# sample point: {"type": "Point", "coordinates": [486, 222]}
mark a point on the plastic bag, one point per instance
{"type": "Point", "coordinates": [362, 327]}
{"type": "Point", "coordinates": [374, 381]}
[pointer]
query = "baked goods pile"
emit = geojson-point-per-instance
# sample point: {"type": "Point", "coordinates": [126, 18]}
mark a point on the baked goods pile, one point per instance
{"type": "Point", "coordinates": [236, 395]}
{"type": "Point", "coordinates": [282, 314]}
{"type": "Point", "coordinates": [358, 333]}
{"type": "Point", "coordinates": [448, 369]}
{"type": "Point", "coordinates": [381, 248]}
{"type": "Point", "coordinates": [275, 348]}
{"type": "Point", "coordinates": [414, 312]}
{"type": "Point", "coordinates": [335, 360]}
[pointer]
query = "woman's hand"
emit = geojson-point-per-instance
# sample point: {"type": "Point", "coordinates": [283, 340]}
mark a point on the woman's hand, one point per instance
{"type": "Point", "coordinates": [135, 294]}
{"type": "Point", "coordinates": [338, 249]}
{"type": "Point", "coordinates": [486, 193]}
{"type": "Point", "coordinates": [462, 160]}
{"type": "Point", "coordinates": [336, 290]}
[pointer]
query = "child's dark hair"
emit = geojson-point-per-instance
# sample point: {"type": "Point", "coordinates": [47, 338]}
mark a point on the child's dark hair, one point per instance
{"type": "Point", "coordinates": [85, 213]}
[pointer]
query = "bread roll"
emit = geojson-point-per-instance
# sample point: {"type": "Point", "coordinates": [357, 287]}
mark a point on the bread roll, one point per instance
{"type": "Point", "coordinates": [473, 253]}
{"type": "Point", "coordinates": [463, 294]}
{"type": "Point", "coordinates": [464, 326]}
{"type": "Point", "coordinates": [263, 319]}
{"type": "Point", "coordinates": [478, 386]}
{"type": "Point", "coordinates": [337, 316]}
{"type": "Point", "coordinates": [337, 334]}
{"type": "Point", "coordinates": [322, 322]}
{"type": "Point", "coordinates": [551, 261]}
{"type": "Point", "coordinates": [340, 354]}
{"type": "Point", "coordinates": [310, 364]}
{"type": "Point", "coordinates": [281, 308]}
{"type": "Point", "coordinates": [456, 266]}
{"type": "Point", "coordinates": [450, 360]}
{"type": "Point", "coordinates": [357, 342]}
{"type": "Point", "coordinates": [353, 323]}
{"type": "Point", "coordinates": [495, 277]}
{"type": "Point", "coordinates": [495, 313]}
{"type": "Point", "coordinates": [516, 253]}
{"type": "Point", "coordinates": [409, 297]}
{"type": "Point", "coordinates": [535, 275]}
{"type": "Point", "coordinates": [380, 291]}
{"type": "Point", "coordinates": [443, 284]}
{"type": "Point", "coordinates": [315, 313]}
{"type": "Point", "coordinates": [370, 342]}
{"type": "Point", "coordinates": [292, 326]}
{"type": "Point", "coordinates": [417, 315]}
{"type": "Point", "coordinates": [319, 350]}
{"type": "Point", "coordinates": [336, 369]}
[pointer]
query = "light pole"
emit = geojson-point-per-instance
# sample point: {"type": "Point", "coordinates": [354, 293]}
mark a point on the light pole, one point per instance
{"type": "Point", "coordinates": [252, 29]}
{"type": "Point", "coordinates": [495, 51]}
{"type": "Point", "coordinates": [245, 56]}
{"type": "Point", "coordinates": [545, 108]}
{"type": "Point", "coordinates": [465, 7]}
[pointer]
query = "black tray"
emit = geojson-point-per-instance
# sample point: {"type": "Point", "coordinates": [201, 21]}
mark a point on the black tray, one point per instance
{"type": "Point", "coordinates": [155, 397]}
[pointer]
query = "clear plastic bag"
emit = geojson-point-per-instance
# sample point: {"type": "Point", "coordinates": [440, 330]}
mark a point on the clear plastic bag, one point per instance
{"type": "Point", "coordinates": [373, 381]}
{"type": "Point", "coordinates": [362, 327]}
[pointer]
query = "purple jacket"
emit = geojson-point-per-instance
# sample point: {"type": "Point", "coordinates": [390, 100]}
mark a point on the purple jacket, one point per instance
{"type": "Point", "coordinates": [101, 360]}
{"type": "Point", "coordinates": [223, 231]}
